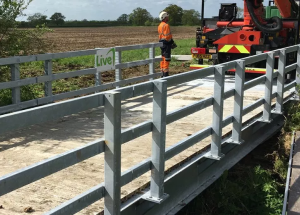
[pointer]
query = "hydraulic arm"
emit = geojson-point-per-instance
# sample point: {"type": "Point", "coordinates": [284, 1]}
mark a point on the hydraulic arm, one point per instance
{"type": "Point", "coordinates": [287, 9]}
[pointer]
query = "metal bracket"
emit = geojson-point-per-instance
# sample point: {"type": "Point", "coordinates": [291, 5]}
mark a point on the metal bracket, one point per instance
{"type": "Point", "coordinates": [231, 141]}
{"type": "Point", "coordinates": [275, 112]}
{"type": "Point", "coordinates": [210, 156]}
{"type": "Point", "coordinates": [149, 198]}
{"type": "Point", "coordinates": [266, 121]}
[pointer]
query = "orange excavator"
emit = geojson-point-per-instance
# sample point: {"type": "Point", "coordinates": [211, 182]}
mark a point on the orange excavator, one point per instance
{"type": "Point", "coordinates": [262, 29]}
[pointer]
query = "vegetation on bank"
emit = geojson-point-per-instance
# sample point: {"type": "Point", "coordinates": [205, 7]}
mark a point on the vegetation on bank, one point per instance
{"type": "Point", "coordinates": [256, 184]}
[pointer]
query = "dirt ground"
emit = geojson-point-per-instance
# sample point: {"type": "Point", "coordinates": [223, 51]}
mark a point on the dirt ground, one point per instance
{"type": "Point", "coordinates": [71, 39]}
{"type": "Point", "coordinates": [28, 146]}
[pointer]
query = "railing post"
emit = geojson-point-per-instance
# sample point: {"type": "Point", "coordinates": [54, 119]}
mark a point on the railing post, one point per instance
{"type": "Point", "coordinates": [98, 77]}
{"type": "Point", "coordinates": [280, 81]}
{"type": "Point", "coordinates": [217, 126]}
{"type": "Point", "coordinates": [48, 84]}
{"type": "Point", "coordinates": [298, 74]}
{"type": "Point", "coordinates": [118, 72]}
{"type": "Point", "coordinates": [158, 143]}
{"type": "Point", "coordinates": [269, 87]}
{"type": "Point", "coordinates": [15, 76]}
{"type": "Point", "coordinates": [238, 103]}
{"type": "Point", "coordinates": [112, 156]}
{"type": "Point", "coordinates": [152, 65]}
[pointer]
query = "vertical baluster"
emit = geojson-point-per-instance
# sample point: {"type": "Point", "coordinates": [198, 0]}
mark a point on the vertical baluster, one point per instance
{"type": "Point", "coordinates": [151, 65]}
{"type": "Point", "coordinates": [280, 81]}
{"type": "Point", "coordinates": [269, 87]}
{"type": "Point", "coordinates": [218, 106]}
{"type": "Point", "coordinates": [238, 102]}
{"type": "Point", "coordinates": [112, 156]}
{"type": "Point", "coordinates": [15, 76]}
{"type": "Point", "coordinates": [118, 72]}
{"type": "Point", "coordinates": [48, 84]}
{"type": "Point", "coordinates": [158, 143]}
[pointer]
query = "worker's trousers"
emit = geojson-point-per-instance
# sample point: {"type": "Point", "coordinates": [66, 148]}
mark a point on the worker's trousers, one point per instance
{"type": "Point", "coordinates": [164, 65]}
{"type": "Point", "coordinates": [166, 57]}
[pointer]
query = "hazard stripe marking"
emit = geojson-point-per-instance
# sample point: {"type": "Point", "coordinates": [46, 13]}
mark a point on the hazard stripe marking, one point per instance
{"type": "Point", "coordinates": [242, 49]}
{"type": "Point", "coordinates": [226, 48]}
{"type": "Point", "coordinates": [234, 49]}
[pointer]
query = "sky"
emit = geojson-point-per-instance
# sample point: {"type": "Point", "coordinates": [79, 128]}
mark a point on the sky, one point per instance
{"type": "Point", "coordinates": [112, 9]}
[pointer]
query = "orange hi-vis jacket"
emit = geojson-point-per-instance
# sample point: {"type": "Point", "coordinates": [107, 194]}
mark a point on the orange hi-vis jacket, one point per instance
{"type": "Point", "coordinates": [164, 32]}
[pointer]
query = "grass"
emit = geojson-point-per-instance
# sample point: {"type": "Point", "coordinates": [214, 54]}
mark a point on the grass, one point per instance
{"type": "Point", "coordinates": [33, 69]}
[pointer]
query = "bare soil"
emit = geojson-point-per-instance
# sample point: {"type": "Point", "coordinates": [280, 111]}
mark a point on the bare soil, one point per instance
{"type": "Point", "coordinates": [71, 39]}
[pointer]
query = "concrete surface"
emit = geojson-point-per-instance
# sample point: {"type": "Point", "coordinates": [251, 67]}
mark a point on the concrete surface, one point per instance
{"type": "Point", "coordinates": [180, 57]}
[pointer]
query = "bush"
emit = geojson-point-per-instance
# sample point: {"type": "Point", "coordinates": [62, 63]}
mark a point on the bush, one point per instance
{"type": "Point", "coordinates": [14, 41]}
{"type": "Point", "coordinates": [148, 23]}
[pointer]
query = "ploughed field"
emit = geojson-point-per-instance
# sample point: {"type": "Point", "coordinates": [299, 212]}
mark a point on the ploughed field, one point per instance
{"type": "Point", "coordinates": [70, 39]}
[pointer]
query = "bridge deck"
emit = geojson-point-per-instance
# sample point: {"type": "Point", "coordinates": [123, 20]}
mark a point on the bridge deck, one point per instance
{"type": "Point", "coordinates": [34, 144]}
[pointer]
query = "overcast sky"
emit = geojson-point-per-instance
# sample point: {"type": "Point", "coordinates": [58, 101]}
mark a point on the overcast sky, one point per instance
{"type": "Point", "coordinates": [112, 9]}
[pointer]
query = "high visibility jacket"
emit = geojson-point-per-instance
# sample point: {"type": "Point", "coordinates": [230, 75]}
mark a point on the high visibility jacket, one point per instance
{"type": "Point", "coordinates": [164, 32]}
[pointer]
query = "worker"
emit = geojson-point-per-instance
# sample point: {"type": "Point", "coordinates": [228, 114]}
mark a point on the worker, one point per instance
{"type": "Point", "coordinates": [165, 36]}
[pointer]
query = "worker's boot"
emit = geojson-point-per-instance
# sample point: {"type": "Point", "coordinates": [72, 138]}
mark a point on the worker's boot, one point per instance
{"type": "Point", "coordinates": [165, 74]}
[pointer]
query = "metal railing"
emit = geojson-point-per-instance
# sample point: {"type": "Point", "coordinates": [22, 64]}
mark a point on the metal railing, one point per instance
{"type": "Point", "coordinates": [114, 136]}
{"type": "Point", "coordinates": [16, 83]}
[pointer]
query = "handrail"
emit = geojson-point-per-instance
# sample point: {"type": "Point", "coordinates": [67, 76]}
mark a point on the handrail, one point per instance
{"type": "Point", "coordinates": [49, 77]}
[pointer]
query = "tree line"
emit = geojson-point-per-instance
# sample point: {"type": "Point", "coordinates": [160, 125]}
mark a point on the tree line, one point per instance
{"type": "Point", "coordinates": [138, 17]}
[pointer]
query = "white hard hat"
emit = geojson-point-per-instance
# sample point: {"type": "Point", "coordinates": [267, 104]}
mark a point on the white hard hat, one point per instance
{"type": "Point", "coordinates": [163, 15]}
